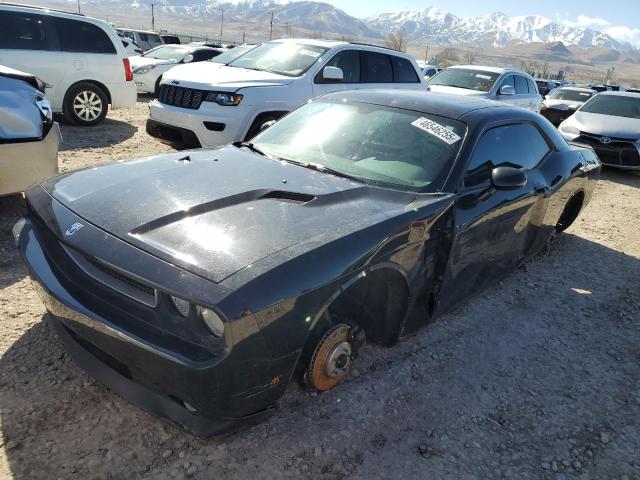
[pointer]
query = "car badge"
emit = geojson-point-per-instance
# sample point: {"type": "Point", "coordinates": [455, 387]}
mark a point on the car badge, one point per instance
{"type": "Point", "coordinates": [605, 140]}
{"type": "Point", "coordinates": [175, 82]}
{"type": "Point", "coordinates": [73, 229]}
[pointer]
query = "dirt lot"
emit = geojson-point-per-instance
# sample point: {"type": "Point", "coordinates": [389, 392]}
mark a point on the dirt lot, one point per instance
{"type": "Point", "coordinates": [536, 378]}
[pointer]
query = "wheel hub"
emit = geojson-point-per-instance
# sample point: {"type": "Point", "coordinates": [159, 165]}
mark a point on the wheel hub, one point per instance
{"type": "Point", "coordinates": [87, 105]}
{"type": "Point", "coordinates": [332, 358]}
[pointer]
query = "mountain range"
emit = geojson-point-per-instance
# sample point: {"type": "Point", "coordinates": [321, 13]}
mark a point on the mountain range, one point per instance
{"type": "Point", "coordinates": [433, 25]}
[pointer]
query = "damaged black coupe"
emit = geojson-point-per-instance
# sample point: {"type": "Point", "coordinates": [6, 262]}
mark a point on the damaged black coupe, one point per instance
{"type": "Point", "coordinates": [199, 284]}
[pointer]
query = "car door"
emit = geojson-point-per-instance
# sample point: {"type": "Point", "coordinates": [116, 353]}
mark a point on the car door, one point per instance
{"type": "Point", "coordinates": [496, 230]}
{"type": "Point", "coordinates": [349, 62]}
{"type": "Point", "coordinates": [535, 97]}
{"type": "Point", "coordinates": [28, 43]}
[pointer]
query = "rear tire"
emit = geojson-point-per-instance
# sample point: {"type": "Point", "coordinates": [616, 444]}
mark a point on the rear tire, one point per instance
{"type": "Point", "coordinates": [85, 104]}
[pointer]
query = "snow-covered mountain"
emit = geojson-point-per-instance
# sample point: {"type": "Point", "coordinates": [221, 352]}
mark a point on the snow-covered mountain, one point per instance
{"type": "Point", "coordinates": [432, 24]}
{"type": "Point", "coordinates": [495, 29]}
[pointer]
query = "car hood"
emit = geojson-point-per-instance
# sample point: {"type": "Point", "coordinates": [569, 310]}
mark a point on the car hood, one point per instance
{"type": "Point", "coordinates": [609, 125]}
{"type": "Point", "coordinates": [137, 62]}
{"type": "Point", "coordinates": [457, 91]}
{"type": "Point", "coordinates": [214, 212]}
{"type": "Point", "coordinates": [210, 76]}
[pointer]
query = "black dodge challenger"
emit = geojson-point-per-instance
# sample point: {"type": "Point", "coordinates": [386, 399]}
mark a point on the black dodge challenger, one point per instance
{"type": "Point", "coordinates": [199, 284]}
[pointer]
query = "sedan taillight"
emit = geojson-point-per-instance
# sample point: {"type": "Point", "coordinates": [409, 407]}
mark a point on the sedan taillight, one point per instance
{"type": "Point", "coordinates": [128, 74]}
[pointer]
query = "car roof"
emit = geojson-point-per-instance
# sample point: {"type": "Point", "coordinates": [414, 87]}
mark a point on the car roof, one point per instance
{"type": "Point", "coordinates": [124, 29]}
{"type": "Point", "coordinates": [312, 41]}
{"type": "Point", "coordinates": [483, 68]}
{"type": "Point", "coordinates": [445, 105]}
{"type": "Point", "coordinates": [17, 7]}
{"type": "Point", "coordinates": [619, 94]}
{"type": "Point", "coordinates": [576, 89]}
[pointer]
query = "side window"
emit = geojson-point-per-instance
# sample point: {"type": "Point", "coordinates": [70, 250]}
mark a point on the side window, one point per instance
{"type": "Point", "coordinates": [403, 71]}
{"type": "Point", "coordinates": [349, 62]}
{"type": "Point", "coordinates": [518, 146]}
{"type": "Point", "coordinates": [202, 55]}
{"type": "Point", "coordinates": [23, 31]}
{"type": "Point", "coordinates": [521, 85]}
{"type": "Point", "coordinates": [77, 36]}
{"type": "Point", "coordinates": [532, 86]}
{"type": "Point", "coordinates": [508, 81]}
{"type": "Point", "coordinates": [377, 68]}
{"type": "Point", "coordinates": [143, 37]}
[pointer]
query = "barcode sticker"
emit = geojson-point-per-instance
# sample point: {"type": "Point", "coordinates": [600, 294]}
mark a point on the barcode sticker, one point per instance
{"type": "Point", "coordinates": [437, 130]}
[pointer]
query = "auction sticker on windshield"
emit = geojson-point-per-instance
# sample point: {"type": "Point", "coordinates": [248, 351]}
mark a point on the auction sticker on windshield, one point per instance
{"type": "Point", "coordinates": [437, 130]}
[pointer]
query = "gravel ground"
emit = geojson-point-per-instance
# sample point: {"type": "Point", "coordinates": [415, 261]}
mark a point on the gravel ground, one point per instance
{"type": "Point", "coordinates": [535, 378]}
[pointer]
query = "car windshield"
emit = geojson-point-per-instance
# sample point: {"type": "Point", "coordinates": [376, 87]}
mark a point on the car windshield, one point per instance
{"type": "Point", "coordinates": [467, 78]}
{"type": "Point", "coordinates": [284, 58]}
{"type": "Point", "coordinates": [617, 106]}
{"type": "Point", "coordinates": [167, 52]}
{"type": "Point", "coordinates": [571, 95]}
{"type": "Point", "coordinates": [385, 146]}
{"type": "Point", "coordinates": [231, 54]}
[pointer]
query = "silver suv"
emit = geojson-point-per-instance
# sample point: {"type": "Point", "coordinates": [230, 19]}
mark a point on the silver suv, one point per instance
{"type": "Point", "coordinates": [502, 84]}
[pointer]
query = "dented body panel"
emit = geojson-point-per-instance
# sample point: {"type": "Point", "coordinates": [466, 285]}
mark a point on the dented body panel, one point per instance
{"type": "Point", "coordinates": [277, 250]}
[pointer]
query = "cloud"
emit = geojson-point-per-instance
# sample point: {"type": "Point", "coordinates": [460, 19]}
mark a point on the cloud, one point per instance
{"type": "Point", "coordinates": [624, 34]}
{"type": "Point", "coordinates": [584, 21]}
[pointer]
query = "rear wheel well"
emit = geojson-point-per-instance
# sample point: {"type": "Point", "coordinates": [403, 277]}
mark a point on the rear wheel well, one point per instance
{"type": "Point", "coordinates": [570, 212]}
{"type": "Point", "coordinates": [92, 82]}
{"type": "Point", "coordinates": [260, 119]}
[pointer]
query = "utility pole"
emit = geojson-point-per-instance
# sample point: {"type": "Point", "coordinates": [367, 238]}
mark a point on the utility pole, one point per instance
{"type": "Point", "coordinates": [153, 18]}
{"type": "Point", "coordinates": [243, 37]}
{"type": "Point", "coordinates": [426, 55]}
{"type": "Point", "coordinates": [271, 26]}
{"type": "Point", "coordinates": [78, 6]}
{"type": "Point", "coordinates": [221, 22]}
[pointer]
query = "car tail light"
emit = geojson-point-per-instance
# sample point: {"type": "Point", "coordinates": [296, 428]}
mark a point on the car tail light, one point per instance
{"type": "Point", "coordinates": [128, 74]}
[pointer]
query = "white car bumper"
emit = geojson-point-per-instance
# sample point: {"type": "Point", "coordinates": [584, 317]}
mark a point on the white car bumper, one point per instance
{"type": "Point", "coordinates": [145, 83]}
{"type": "Point", "coordinates": [123, 95]}
{"type": "Point", "coordinates": [25, 163]}
{"type": "Point", "coordinates": [213, 125]}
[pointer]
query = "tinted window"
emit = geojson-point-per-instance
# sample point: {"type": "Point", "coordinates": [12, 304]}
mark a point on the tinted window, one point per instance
{"type": "Point", "coordinates": [508, 81]}
{"type": "Point", "coordinates": [521, 85]}
{"type": "Point", "coordinates": [519, 146]}
{"type": "Point", "coordinates": [202, 55]}
{"type": "Point", "coordinates": [377, 68]}
{"type": "Point", "coordinates": [349, 62]}
{"type": "Point", "coordinates": [403, 71]}
{"type": "Point", "coordinates": [75, 36]}
{"type": "Point", "coordinates": [532, 87]}
{"type": "Point", "coordinates": [615, 105]}
{"type": "Point", "coordinates": [23, 31]}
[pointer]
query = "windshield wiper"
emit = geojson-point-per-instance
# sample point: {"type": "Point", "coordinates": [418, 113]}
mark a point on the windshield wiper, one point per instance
{"type": "Point", "coordinates": [324, 169]}
{"type": "Point", "coordinates": [255, 149]}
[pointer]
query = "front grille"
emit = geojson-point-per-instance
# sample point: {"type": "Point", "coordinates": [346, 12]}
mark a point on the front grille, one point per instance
{"type": "Point", "coordinates": [181, 97]}
{"type": "Point", "coordinates": [119, 281]}
{"type": "Point", "coordinates": [619, 152]}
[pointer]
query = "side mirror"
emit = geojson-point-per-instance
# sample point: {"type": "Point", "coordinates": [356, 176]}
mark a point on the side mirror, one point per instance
{"type": "Point", "coordinates": [188, 59]}
{"type": "Point", "coordinates": [508, 178]}
{"type": "Point", "coordinates": [333, 75]}
{"type": "Point", "coordinates": [507, 90]}
{"type": "Point", "coordinates": [266, 125]}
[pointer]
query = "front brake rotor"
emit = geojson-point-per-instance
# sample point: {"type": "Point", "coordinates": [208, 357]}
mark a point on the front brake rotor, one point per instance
{"type": "Point", "coordinates": [332, 358]}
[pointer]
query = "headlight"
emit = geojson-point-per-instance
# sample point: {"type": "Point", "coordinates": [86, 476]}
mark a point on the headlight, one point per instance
{"type": "Point", "coordinates": [224, 99]}
{"type": "Point", "coordinates": [182, 306]}
{"type": "Point", "coordinates": [212, 320]}
{"type": "Point", "coordinates": [143, 70]}
{"type": "Point", "coordinates": [565, 128]}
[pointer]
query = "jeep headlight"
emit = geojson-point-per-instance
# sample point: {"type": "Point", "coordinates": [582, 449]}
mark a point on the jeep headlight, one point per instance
{"type": "Point", "coordinates": [224, 99]}
{"type": "Point", "coordinates": [212, 320]}
{"type": "Point", "coordinates": [143, 70]}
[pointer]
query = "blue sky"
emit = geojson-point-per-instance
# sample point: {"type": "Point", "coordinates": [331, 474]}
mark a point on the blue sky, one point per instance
{"type": "Point", "coordinates": [622, 20]}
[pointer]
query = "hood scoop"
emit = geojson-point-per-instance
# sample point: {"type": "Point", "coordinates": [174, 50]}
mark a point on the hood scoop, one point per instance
{"type": "Point", "coordinates": [222, 203]}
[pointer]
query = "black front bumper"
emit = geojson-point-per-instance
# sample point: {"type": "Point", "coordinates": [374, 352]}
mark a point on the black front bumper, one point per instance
{"type": "Point", "coordinates": [143, 373]}
{"type": "Point", "coordinates": [172, 135]}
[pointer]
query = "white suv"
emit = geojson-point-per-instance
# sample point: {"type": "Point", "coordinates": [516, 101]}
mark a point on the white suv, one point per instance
{"type": "Point", "coordinates": [81, 59]}
{"type": "Point", "coordinates": [502, 84]}
{"type": "Point", "coordinates": [205, 104]}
